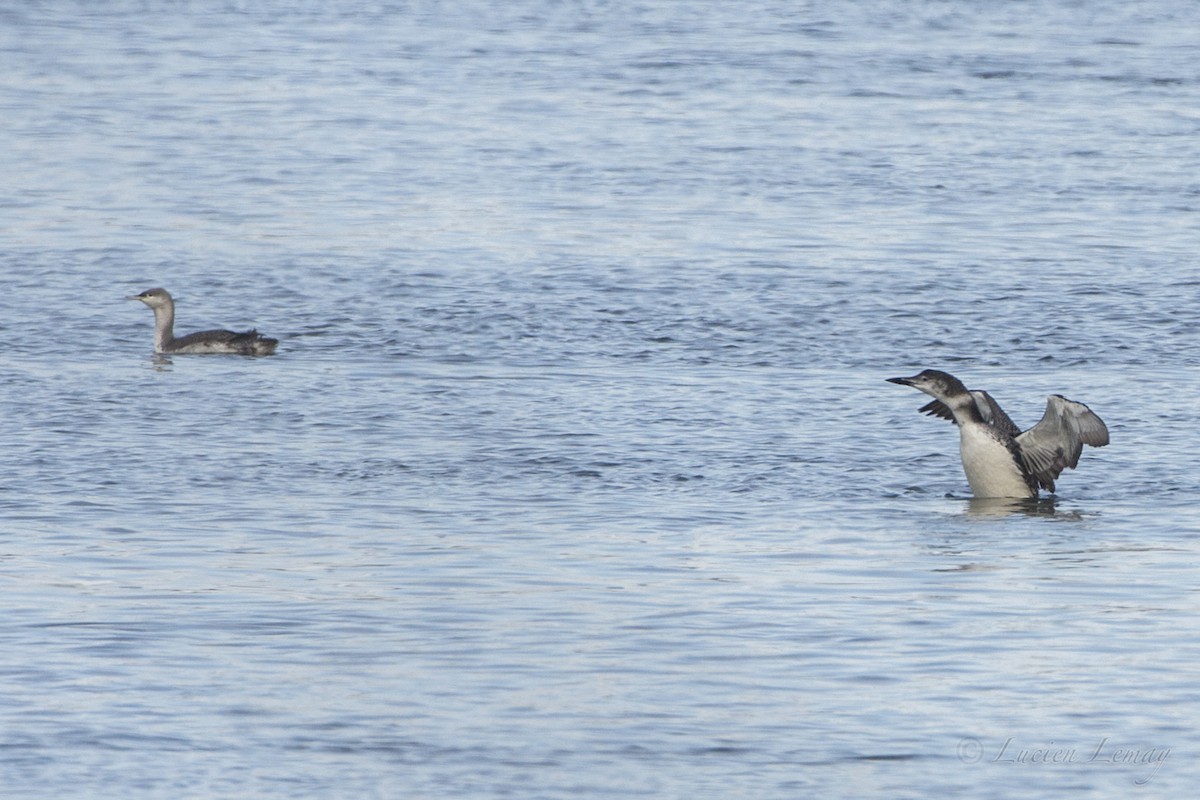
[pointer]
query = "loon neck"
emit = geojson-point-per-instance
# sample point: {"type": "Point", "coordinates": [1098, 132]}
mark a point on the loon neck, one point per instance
{"type": "Point", "coordinates": [164, 326]}
{"type": "Point", "coordinates": [962, 405]}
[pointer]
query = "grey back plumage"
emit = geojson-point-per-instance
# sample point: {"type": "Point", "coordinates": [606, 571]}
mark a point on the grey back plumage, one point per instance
{"type": "Point", "coordinates": [247, 343]}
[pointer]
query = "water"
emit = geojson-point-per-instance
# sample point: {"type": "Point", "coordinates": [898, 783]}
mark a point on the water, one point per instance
{"type": "Point", "coordinates": [576, 473]}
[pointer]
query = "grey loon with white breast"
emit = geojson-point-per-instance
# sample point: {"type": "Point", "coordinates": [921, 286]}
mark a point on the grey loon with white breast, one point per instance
{"type": "Point", "coordinates": [247, 343]}
{"type": "Point", "coordinates": [1000, 460]}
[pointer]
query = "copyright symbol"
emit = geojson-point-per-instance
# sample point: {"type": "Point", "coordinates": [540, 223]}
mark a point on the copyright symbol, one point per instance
{"type": "Point", "coordinates": [969, 750]}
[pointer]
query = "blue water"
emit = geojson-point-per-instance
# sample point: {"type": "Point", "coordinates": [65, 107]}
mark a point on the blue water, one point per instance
{"type": "Point", "coordinates": [576, 474]}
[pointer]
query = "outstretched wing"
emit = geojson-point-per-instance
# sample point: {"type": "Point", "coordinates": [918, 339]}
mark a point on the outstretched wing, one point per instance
{"type": "Point", "coordinates": [1054, 444]}
{"type": "Point", "coordinates": [989, 409]}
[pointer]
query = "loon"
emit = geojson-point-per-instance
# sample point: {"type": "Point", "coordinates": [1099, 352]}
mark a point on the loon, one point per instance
{"type": "Point", "coordinates": [999, 459]}
{"type": "Point", "coordinates": [249, 343]}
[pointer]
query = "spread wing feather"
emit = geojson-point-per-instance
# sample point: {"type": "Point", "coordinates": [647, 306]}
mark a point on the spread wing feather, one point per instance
{"type": "Point", "coordinates": [1054, 444]}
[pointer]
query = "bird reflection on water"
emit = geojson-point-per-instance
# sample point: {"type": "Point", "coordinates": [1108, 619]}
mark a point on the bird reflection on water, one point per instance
{"type": "Point", "coordinates": [1010, 506]}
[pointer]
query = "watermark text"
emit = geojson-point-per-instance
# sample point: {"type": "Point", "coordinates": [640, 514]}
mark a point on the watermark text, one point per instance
{"type": "Point", "coordinates": [1103, 752]}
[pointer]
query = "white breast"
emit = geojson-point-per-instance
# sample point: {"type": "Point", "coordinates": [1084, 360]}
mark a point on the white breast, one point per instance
{"type": "Point", "coordinates": [990, 467]}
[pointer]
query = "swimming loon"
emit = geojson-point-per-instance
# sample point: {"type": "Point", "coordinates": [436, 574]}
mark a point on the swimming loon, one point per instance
{"type": "Point", "coordinates": [1000, 460]}
{"type": "Point", "coordinates": [249, 343]}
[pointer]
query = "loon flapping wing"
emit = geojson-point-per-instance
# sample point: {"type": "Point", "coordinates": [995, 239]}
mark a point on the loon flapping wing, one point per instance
{"type": "Point", "coordinates": [999, 459]}
{"type": "Point", "coordinates": [1054, 444]}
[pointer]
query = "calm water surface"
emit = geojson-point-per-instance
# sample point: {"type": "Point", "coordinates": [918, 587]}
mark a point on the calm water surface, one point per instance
{"type": "Point", "coordinates": [576, 474]}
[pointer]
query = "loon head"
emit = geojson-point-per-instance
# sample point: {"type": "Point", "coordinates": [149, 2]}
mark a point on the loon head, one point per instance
{"type": "Point", "coordinates": [933, 382]}
{"type": "Point", "coordinates": [155, 298]}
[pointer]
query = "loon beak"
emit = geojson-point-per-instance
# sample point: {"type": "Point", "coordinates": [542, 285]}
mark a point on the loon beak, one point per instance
{"type": "Point", "coordinates": [901, 381]}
